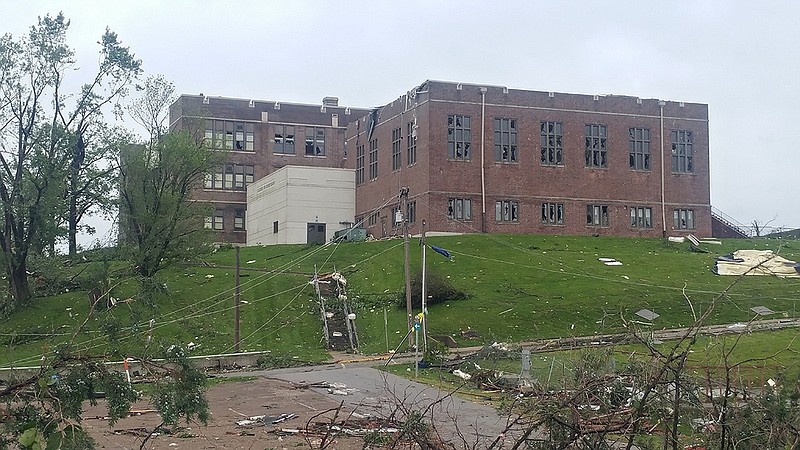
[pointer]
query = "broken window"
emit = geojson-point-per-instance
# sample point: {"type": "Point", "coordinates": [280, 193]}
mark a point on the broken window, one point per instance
{"type": "Point", "coordinates": [459, 137]}
{"type": "Point", "coordinates": [411, 212]}
{"type": "Point", "coordinates": [411, 144]}
{"type": "Point", "coordinates": [226, 135]}
{"type": "Point", "coordinates": [243, 137]}
{"type": "Point", "coordinates": [396, 156]}
{"type": "Point", "coordinates": [553, 213]}
{"type": "Point", "coordinates": [639, 148]}
{"type": "Point", "coordinates": [551, 144]}
{"type": "Point", "coordinates": [215, 221]}
{"type": "Point", "coordinates": [506, 211]}
{"type": "Point", "coordinates": [641, 217]}
{"type": "Point", "coordinates": [682, 151]}
{"type": "Point", "coordinates": [360, 164]}
{"type": "Point", "coordinates": [596, 146]}
{"type": "Point", "coordinates": [373, 159]}
{"type": "Point", "coordinates": [284, 139]}
{"type": "Point", "coordinates": [238, 220]}
{"type": "Point", "coordinates": [505, 140]}
{"type": "Point", "coordinates": [597, 215]}
{"type": "Point", "coordinates": [459, 208]}
{"type": "Point", "coordinates": [315, 141]}
{"type": "Point", "coordinates": [683, 219]}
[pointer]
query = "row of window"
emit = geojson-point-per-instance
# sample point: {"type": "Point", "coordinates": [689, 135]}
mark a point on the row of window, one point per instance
{"type": "Point", "coordinates": [284, 140]}
{"type": "Point", "coordinates": [216, 221]}
{"type": "Point", "coordinates": [397, 154]}
{"type": "Point", "coordinates": [234, 177]}
{"type": "Point", "coordinates": [231, 135]}
{"type": "Point", "coordinates": [459, 141]}
{"type": "Point", "coordinates": [553, 214]}
{"type": "Point", "coordinates": [372, 219]}
{"type": "Point", "coordinates": [506, 149]}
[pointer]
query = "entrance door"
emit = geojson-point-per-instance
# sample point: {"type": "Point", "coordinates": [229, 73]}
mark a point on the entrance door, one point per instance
{"type": "Point", "coordinates": [316, 233]}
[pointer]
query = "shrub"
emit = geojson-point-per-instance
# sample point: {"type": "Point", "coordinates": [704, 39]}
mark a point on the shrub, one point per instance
{"type": "Point", "coordinates": [438, 287]}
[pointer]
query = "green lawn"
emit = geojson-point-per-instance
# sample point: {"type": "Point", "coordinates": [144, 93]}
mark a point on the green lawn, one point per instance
{"type": "Point", "coordinates": [521, 287]}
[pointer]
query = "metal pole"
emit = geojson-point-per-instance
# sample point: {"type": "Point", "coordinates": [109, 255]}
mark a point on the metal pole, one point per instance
{"type": "Point", "coordinates": [416, 354]}
{"type": "Point", "coordinates": [424, 293]}
{"type": "Point", "coordinates": [236, 305]}
{"type": "Point", "coordinates": [409, 312]}
{"type": "Point", "coordinates": [661, 104]}
{"type": "Point", "coordinates": [386, 327]}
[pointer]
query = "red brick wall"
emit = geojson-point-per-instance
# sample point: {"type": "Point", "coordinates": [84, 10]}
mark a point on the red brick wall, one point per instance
{"type": "Point", "coordinates": [435, 178]}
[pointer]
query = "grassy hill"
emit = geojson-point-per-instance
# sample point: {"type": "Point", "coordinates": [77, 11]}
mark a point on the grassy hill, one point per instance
{"type": "Point", "coordinates": [520, 287]}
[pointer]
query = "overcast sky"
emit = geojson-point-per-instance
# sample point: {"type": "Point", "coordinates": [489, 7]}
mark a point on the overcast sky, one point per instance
{"type": "Point", "coordinates": [742, 58]}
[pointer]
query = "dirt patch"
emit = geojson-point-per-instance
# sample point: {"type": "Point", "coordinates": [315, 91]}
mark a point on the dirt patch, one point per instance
{"type": "Point", "coordinates": [229, 403]}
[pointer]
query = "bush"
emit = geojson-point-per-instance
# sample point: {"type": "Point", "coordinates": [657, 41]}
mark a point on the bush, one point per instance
{"type": "Point", "coordinates": [438, 288]}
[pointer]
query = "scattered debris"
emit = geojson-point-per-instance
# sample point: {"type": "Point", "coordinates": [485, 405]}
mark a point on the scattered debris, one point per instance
{"type": "Point", "coordinates": [756, 262]}
{"type": "Point", "coordinates": [610, 261]}
{"type": "Point", "coordinates": [647, 314]}
{"type": "Point", "coordinates": [463, 375]}
{"type": "Point", "coordinates": [762, 310]}
{"type": "Point", "coordinates": [678, 239]}
{"type": "Point", "coordinates": [264, 420]}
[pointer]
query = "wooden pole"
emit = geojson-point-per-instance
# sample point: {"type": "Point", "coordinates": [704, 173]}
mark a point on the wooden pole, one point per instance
{"type": "Point", "coordinates": [236, 305]}
{"type": "Point", "coordinates": [424, 294]}
{"type": "Point", "coordinates": [409, 312]}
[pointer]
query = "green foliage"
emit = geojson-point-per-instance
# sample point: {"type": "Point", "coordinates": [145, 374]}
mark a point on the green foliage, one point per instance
{"type": "Point", "coordinates": [45, 411]}
{"type": "Point", "coordinates": [439, 290]}
{"type": "Point", "coordinates": [160, 223]}
{"type": "Point", "coordinates": [181, 394]}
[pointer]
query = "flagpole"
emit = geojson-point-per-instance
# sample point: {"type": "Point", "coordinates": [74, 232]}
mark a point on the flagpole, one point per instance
{"type": "Point", "coordinates": [424, 294]}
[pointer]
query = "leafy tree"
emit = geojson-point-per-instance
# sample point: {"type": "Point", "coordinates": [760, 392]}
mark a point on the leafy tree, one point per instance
{"type": "Point", "coordinates": [159, 220]}
{"type": "Point", "coordinates": [44, 142]}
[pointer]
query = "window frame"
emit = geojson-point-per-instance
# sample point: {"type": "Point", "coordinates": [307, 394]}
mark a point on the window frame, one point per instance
{"type": "Point", "coordinates": [683, 219]}
{"type": "Point", "coordinates": [315, 136]}
{"type": "Point", "coordinates": [230, 177]}
{"type": "Point", "coordinates": [551, 143]}
{"type": "Point", "coordinates": [459, 137]}
{"type": "Point", "coordinates": [286, 146]}
{"type": "Point", "coordinates": [239, 220]}
{"type": "Point", "coordinates": [360, 160]}
{"type": "Point", "coordinates": [597, 215]}
{"type": "Point", "coordinates": [641, 216]}
{"type": "Point", "coordinates": [216, 221]}
{"type": "Point", "coordinates": [411, 212]}
{"type": "Point", "coordinates": [596, 146]}
{"type": "Point", "coordinates": [373, 159]}
{"type": "Point", "coordinates": [411, 145]}
{"type": "Point", "coordinates": [506, 146]}
{"type": "Point", "coordinates": [552, 214]}
{"type": "Point", "coordinates": [506, 211]}
{"type": "Point", "coordinates": [459, 209]}
{"type": "Point", "coordinates": [397, 156]}
{"type": "Point", "coordinates": [682, 146]}
{"type": "Point", "coordinates": [229, 135]}
{"type": "Point", "coordinates": [639, 149]}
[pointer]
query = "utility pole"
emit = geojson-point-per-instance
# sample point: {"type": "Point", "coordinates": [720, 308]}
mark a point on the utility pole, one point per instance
{"type": "Point", "coordinates": [424, 292]}
{"type": "Point", "coordinates": [236, 305]}
{"type": "Point", "coordinates": [403, 209]}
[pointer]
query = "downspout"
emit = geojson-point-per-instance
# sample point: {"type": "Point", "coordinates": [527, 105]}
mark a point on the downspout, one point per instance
{"type": "Point", "coordinates": [483, 161]}
{"type": "Point", "coordinates": [661, 104]}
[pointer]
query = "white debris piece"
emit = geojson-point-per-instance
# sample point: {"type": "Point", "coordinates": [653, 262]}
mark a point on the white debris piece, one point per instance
{"type": "Point", "coordinates": [463, 375]}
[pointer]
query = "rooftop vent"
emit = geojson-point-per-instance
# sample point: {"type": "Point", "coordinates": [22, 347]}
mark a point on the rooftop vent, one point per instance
{"type": "Point", "coordinates": [330, 101]}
